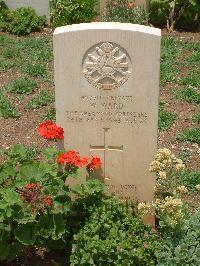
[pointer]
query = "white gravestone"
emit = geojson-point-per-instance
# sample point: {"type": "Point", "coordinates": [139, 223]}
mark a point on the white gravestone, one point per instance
{"type": "Point", "coordinates": [41, 6]}
{"type": "Point", "coordinates": [107, 88]}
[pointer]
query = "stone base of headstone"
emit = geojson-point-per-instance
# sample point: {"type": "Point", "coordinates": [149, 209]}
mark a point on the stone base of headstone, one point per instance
{"type": "Point", "coordinates": [149, 220]}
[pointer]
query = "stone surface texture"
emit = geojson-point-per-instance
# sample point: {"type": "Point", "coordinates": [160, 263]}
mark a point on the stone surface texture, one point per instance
{"type": "Point", "coordinates": [107, 88]}
{"type": "Point", "coordinates": [41, 6]}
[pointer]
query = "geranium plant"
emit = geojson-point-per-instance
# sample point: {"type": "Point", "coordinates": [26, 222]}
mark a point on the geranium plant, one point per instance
{"type": "Point", "coordinates": [35, 202]}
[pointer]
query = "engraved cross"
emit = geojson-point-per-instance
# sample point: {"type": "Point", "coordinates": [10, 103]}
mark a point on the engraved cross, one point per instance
{"type": "Point", "coordinates": [106, 148]}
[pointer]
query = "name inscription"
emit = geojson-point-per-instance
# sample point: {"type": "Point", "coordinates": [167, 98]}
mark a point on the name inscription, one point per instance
{"type": "Point", "coordinates": [112, 109]}
{"type": "Point", "coordinates": [108, 102]}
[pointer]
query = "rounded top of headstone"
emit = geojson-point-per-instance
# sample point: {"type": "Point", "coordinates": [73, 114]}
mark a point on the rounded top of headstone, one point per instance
{"type": "Point", "coordinates": [108, 26]}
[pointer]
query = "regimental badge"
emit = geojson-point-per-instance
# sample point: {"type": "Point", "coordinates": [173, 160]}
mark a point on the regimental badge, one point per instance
{"type": "Point", "coordinates": [106, 66]}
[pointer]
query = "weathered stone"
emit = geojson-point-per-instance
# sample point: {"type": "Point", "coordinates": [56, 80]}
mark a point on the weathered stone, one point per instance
{"type": "Point", "coordinates": [107, 86]}
{"type": "Point", "coordinates": [41, 7]}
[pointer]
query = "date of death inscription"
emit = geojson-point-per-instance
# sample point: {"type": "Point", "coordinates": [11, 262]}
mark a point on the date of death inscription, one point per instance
{"type": "Point", "coordinates": [111, 109]}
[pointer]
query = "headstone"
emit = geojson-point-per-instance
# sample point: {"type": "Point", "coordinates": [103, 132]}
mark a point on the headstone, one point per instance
{"type": "Point", "coordinates": [41, 6]}
{"type": "Point", "coordinates": [107, 87]}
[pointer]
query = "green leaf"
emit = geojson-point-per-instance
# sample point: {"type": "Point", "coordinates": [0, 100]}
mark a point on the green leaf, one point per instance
{"type": "Point", "coordinates": [193, 2]}
{"type": "Point", "coordinates": [11, 197]}
{"type": "Point", "coordinates": [31, 171]}
{"type": "Point", "coordinates": [45, 226]}
{"type": "Point", "coordinates": [51, 153]}
{"type": "Point", "coordinates": [51, 226]}
{"type": "Point", "coordinates": [6, 173]}
{"type": "Point", "coordinates": [59, 225]}
{"type": "Point", "coordinates": [5, 227]}
{"type": "Point", "coordinates": [26, 234]}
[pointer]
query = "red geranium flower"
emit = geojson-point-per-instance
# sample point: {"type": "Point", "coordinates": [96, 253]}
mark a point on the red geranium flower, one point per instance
{"type": "Point", "coordinates": [131, 5]}
{"type": "Point", "coordinates": [72, 158]}
{"type": "Point", "coordinates": [50, 130]}
{"type": "Point", "coordinates": [31, 193]}
{"type": "Point", "coordinates": [32, 186]}
{"type": "Point", "coordinates": [48, 201]}
{"type": "Point", "coordinates": [95, 164]}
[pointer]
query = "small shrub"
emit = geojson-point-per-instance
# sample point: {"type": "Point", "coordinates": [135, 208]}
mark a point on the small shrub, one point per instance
{"type": "Point", "coordinates": [112, 236]}
{"type": "Point", "coordinates": [23, 21]}
{"type": "Point", "coordinates": [6, 107]}
{"type": "Point", "coordinates": [192, 134]}
{"type": "Point", "coordinates": [11, 52]}
{"type": "Point", "coordinates": [34, 201]}
{"type": "Point", "coordinates": [193, 79]}
{"type": "Point", "coordinates": [184, 155]}
{"type": "Point", "coordinates": [23, 85]}
{"type": "Point", "coordinates": [3, 14]}
{"type": "Point", "coordinates": [5, 65]}
{"type": "Point", "coordinates": [196, 118]}
{"type": "Point", "coordinates": [51, 115]}
{"type": "Point", "coordinates": [5, 40]}
{"type": "Point", "coordinates": [43, 99]}
{"type": "Point", "coordinates": [194, 58]}
{"type": "Point", "coordinates": [72, 11]}
{"type": "Point", "coordinates": [183, 247]}
{"type": "Point", "coordinates": [166, 120]}
{"type": "Point", "coordinates": [173, 13]}
{"type": "Point", "coordinates": [188, 94]}
{"type": "Point", "coordinates": [190, 178]}
{"type": "Point", "coordinates": [171, 49]}
{"type": "Point", "coordinates": [36, 70]}
{"type": "Point", "coordinates": [125, 11]}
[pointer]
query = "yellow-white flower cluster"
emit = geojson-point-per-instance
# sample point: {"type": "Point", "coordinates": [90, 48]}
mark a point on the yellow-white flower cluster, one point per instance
{"type": "Point", "coordinates": [172, 207]}
{"type": "Point", "coordinates": [144, 208]}
{"type": "Point", "coordinates": [182, 189]}
{"type": "Point", "coordinates": [179, 165]}
{"type": "Point", "coordinates": [198, 187]}
{"type": "Point", "coordinates": [164, 161]}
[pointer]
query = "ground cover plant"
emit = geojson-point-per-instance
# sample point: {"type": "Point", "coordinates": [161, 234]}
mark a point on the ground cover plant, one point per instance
{"type": "Point", "coordinates": [166, 119]}
{"type": "Point", "coordinates": [23, 86]}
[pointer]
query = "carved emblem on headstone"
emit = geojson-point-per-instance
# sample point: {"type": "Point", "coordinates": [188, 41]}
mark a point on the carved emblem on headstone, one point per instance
{"type": "Point", "coordinates": [106, 66]}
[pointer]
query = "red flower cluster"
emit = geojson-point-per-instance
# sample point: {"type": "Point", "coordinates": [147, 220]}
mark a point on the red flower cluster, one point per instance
{"type": "Point", "coordinates": [50, 130]}
{"type": "Point", "coordinates": [32, 186]}
{"type": "Point", "coordinates": [72, 158]}
{"type": "Point", "coordinates": [32, 194]}
{"type": "Point", "coordinates": [48, 201]}
{"type": "Point", "coordinates": [131, 5]}
{"type": "Point", "coordinates": [95, 164]}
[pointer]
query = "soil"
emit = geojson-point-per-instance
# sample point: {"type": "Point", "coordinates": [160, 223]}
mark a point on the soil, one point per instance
{"type": "Point", "coordinates": [39, 258]}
